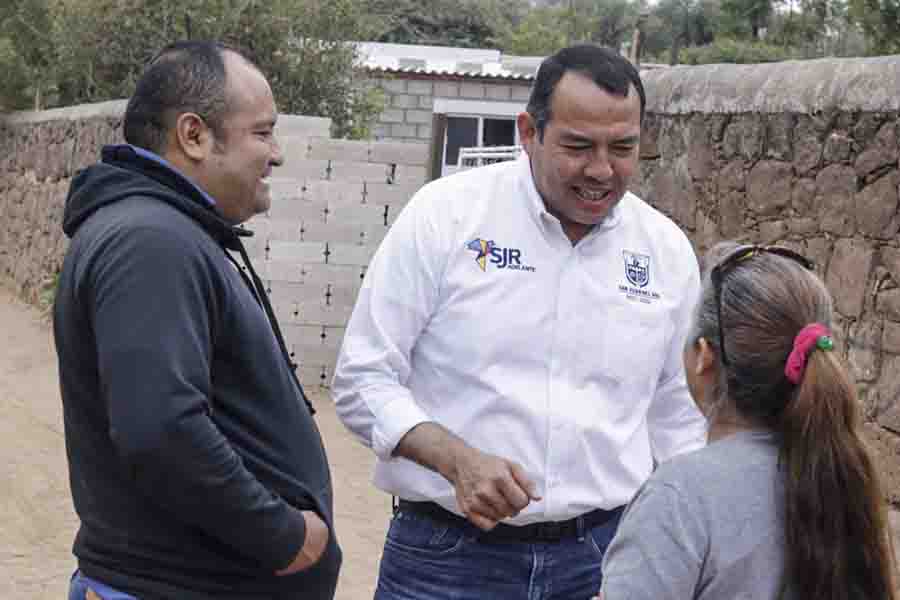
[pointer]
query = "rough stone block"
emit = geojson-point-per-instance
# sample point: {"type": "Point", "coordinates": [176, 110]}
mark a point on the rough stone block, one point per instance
{"type": "Point", "coordinates": [744, 137]}
{"type": "Point", "coordinates": [864, 347]}
{"type": "Point", "coordinates": [882, 152]}
{"type": "Point", "coordinates": [769, 187]}
{"type": "Point", "coordinates": [876, 208]}
{"type": "Point", "coordinates": [779, 135]}
{"type": "Point", "coordinates": [701, 156]}
{"type": "Point", "coordinates": [888, 304]}
{"type": "Point", "coordinates": [890, 341]}
{"type": "Point", "coordinates": [848, 273]}
{"type": "Point", "coordinates": [772, 231]}
{"type": "Point", "coordinates": [838, 147]}
{"type": "Point", "coordinates": [803, 196]}
{"type": "Point", "coordinates": [650, 131]}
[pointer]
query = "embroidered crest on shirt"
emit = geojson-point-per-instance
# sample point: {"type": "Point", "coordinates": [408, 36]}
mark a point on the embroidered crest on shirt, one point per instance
{"type": "Point", "coordinates": [502, 258]}
{"type": "Point", "coordinates": [637, 268]}
{"type": "Point", "coordinates": [637, 272]}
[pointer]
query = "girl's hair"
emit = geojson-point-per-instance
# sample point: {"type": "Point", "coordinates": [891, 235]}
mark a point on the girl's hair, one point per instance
{"type": "Point", "coordinates": [837, 541]}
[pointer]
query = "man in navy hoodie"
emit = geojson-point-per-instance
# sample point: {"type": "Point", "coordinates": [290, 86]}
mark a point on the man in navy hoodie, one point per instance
{"type": "Point", "coordinates": [196, 467]}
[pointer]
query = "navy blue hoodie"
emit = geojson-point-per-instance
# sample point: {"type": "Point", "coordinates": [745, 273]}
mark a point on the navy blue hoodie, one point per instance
{"type": "Point", "coordinates": [191, 447]}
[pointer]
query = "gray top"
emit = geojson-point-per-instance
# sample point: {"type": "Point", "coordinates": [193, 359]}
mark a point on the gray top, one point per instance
{"type": "Point", "coordinates": [707, 525]}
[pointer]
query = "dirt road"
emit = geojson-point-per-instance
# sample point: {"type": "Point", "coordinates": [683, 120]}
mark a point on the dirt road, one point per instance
{"type": "Point", "coordinates": [37, 522]}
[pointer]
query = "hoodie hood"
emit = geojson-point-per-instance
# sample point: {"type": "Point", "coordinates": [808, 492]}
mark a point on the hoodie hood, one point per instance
{"type": "Point", "coordinates": [123, 173]}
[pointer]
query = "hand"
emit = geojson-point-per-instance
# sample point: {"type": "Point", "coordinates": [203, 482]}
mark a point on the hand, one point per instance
{"type": "Point", "coordinates": [489, 488]}
{"type": "Point", "coordinates": [313, 546]}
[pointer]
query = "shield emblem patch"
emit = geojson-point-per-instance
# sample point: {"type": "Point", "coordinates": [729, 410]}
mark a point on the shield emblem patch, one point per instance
{"type": "Point", "coordinates": [637, 268]}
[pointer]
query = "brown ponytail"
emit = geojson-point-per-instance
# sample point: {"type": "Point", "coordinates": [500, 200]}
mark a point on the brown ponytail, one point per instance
{"type": "Point", "coordinates": [837, 543]}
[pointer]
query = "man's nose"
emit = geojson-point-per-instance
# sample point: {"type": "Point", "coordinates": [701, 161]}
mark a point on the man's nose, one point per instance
{"type": "Point", "coordinates": [599, 167]}
{"type": "Point", "coordinates": [277, 157]}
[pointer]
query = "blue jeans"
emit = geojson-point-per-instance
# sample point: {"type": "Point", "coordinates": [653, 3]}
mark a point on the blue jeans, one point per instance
{"type": "Point", "coordinates": [428, 559]}
{"type": "Point", "coordinates": [80, 583]}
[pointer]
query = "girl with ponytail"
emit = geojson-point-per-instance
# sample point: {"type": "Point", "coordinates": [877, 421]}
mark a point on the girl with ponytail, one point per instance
{"type": "Point", "coordinates": [784, 503]}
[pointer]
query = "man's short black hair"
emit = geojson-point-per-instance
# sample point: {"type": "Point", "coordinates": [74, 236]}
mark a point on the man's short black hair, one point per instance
{"type": "Point", "coordinates": [607, 68]}
{"type": "Point", "coordinates": [183, 77]}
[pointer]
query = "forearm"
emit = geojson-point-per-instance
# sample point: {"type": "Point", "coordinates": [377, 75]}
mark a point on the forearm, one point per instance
{"type": "Point", "coordinates": [434, 447]}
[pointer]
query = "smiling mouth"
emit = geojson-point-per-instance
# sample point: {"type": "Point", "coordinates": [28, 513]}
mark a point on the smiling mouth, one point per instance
{"type": "Point", "coordinates": [592, 196]}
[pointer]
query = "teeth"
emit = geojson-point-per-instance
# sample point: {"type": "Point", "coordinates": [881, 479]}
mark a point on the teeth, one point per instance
{"type": "Point", "coordinates": [591, 195]}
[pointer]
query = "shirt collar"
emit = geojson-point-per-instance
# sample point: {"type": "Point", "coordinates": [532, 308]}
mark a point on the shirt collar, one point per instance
{"type": "Point", "coordinates": [160, 160]}
{"type": "Point", "coordinates": [538, 208]}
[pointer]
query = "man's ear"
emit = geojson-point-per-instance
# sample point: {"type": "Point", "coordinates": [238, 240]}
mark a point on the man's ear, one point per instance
{"type": "Point", "coordinates": [705, 363]}
{"type": "Point", "coordinates": [527, 127]}
{"type": "Point", "coordinates": [192, 136]}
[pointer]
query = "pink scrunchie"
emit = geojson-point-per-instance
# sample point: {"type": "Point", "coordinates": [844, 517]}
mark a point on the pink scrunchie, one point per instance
{"type": "Point", "coordinates": [803, 345]}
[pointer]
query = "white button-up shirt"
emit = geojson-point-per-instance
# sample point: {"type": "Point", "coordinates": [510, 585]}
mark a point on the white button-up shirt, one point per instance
{"type": "Point", "coordinates": [478, 313]}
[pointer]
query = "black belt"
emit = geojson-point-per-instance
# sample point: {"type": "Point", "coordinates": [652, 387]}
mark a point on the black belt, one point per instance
{"type": "Point", "coordinates": [546, 531]}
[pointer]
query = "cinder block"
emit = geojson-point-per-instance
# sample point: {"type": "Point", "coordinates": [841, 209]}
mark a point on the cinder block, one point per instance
{"type": "Point", "coordinates": [319, 314]}
{"type": "Point", "coordinates": [286, 295]}
{"type": "Point", "coordinates": [352, 172]}
{"type": "Point", "coordinates": [344, 277]}
{"type": "Point", "coordinates": [301, 252]}
{"type": "Point", "coordinates": [471, 90]}
{"type": "Point", "coordinates": [303, 170]}
{"type": "Point", "coordinates": [446, 89]}
{"type": "Point", "coordinates": [282, 230]}
{"type": "Point", "coordinates": [497, 92]}
{"type": "Point", "coordinates": [424, 132]}
{"type": "Point", "coordinates": [520, 92]}
{"type": "Point", "coordinates": [390, 193]}
{"type": "Point", "coordinates": [401, 131]}
{"type": "Point", "coordinates": [293, 147]}
{"type": "Point", "coordinates": [419, 88]}
{"type": "Point", "coordinates": [392, 115]}
{"type": "Point", "coordinates": [284, 271]}
{"type": "Point", "coordinates": [404, 101]}
{"type": "Point", "coordinates": [346, 150]}
{"type": "Point", "coordinates": [399, 153]}
{"type": "Point", "coordinates": [335, 231]}
{"type": "Point", "coordinates": [426, 102]}
{"type": "Point", "coordinates": [362, 214]}
{"type": "Point", "coordinates": [395, 86]}
{"type": "Point", "coordinates": [302, 126]}
{"type": "Point", "coordinates": [349, 254]}
{"type": "Point", "coordinates": [410, 175]}
{"type": "Point", "coordinates": [303, 208]}
{"type": "Point", "coordinates": [335, 192]}
{"type": "Point", "coordinates": [418, 116]}
{"type": "Point", "coordinates": [315, 377]}
{"type": "Point", "coordinates": [280, 187]}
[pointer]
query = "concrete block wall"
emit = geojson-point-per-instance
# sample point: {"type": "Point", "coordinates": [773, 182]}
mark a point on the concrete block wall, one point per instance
{"type": "Point", "coordinates": [332, 203]}
{"type": "Point", "coordinates": [409, 102]}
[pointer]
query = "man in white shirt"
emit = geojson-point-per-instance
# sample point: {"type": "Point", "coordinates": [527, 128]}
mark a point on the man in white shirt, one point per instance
{"type": "Point", "coordinates": [514, 356]}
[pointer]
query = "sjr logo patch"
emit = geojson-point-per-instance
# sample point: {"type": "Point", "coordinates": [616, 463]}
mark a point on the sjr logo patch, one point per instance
{"type": "Point", "coordinates": [637, 268]}
{"type": "Point", "coordinates": [502, 258]}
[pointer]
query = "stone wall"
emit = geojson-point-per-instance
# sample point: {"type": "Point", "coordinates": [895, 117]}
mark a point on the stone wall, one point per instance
{"type": "Point", "coordinates": [803, 154]}
{"type": "Point", "coordinates": [409, 102]}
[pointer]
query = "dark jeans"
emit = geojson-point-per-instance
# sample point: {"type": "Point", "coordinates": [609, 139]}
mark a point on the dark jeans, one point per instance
{"type": "Point", "coordinates": [431, 559]}
{"type": "Point", "coordinates": [79, 586]}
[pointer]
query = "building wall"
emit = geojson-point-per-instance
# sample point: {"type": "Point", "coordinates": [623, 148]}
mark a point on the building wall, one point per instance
{"type": "Point", "coordinates": [409, 102]}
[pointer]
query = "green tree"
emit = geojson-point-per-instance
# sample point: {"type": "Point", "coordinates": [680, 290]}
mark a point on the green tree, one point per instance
{"type": "Point", "coordinates": [26, 53]}
{"type": "Point", "coordinates": [880, 21]}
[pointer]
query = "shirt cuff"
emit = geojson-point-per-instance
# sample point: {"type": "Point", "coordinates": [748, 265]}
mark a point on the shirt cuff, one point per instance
{"type": "Point", "coordinates": [396, 413]}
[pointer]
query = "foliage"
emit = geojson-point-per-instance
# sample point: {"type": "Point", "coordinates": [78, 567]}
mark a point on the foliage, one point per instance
{"type": "Point", "coordinates": [729, 50]}
{"type": "Point", "coordinates": [98, 48]}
